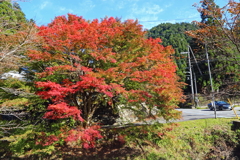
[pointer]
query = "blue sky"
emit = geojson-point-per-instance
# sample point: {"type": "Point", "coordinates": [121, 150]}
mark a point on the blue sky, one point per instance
{"type": "Point", "coordinates": [149, 13]}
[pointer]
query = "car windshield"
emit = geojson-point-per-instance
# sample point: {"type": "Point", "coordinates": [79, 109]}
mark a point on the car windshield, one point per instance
{"type": "Point", "coordinates": [221, 102]}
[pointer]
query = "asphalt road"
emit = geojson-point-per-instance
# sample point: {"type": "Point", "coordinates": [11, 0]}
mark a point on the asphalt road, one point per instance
{"type": "Point", "coordinates": [187, 114]}
{"type": "Point", "coordinates": [192, 114]}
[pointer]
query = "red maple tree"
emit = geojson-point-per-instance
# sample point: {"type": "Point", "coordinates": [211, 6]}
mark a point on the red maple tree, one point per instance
{"type": "Point", "coordinates": [84, 65]}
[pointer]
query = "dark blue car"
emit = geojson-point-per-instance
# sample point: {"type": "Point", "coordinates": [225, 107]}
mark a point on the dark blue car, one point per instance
{"type": "Point", "coordinates": [220, 105]}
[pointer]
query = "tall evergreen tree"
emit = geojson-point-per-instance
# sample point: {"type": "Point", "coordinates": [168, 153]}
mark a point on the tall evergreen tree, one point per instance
{"type": "Point", "coordinates": [207, 5]}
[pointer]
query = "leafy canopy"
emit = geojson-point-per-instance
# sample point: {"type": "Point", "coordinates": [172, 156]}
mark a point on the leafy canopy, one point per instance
{"type": "Point", "coordinates": [85, 65]}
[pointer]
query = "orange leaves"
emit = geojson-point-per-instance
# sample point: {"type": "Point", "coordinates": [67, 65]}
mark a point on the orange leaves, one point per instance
{"type": "Point", "coordinates": [221, 28]}
{"type": "Point", "coordinates": [89, 65]}
{"type": "Point", "coordinates": [36, 55]}
{"type": "Point", "coordinates": [234, 7]}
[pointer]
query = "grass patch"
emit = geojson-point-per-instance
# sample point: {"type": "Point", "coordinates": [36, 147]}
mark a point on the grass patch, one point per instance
{"type": "Point", "coordinates": [188, 140]}
{"type": "Point", "coordinates": [197, 139]}
{"type": "Point", "coordinates": [201, 107]}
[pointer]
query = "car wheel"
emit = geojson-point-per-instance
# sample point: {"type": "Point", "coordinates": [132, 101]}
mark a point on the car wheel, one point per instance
{"type": "Point", "coordinates": [220, 107]}
{"type": "Point", "coordinates": [211, 108]}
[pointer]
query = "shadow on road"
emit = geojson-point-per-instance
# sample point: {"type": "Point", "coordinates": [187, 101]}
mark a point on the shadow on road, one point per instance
{"type": "Point", "coordinates": [206, 110]}
{"type": "Point", "coordinates": [216, 110]}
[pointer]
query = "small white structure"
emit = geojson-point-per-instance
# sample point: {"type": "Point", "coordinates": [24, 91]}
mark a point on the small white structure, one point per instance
{"type": "Point", "coordinates": [14, 74]}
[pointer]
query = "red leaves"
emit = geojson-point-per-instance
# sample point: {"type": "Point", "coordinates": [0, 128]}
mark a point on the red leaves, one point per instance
{"type": "Point", "coordinates": [53, 91]}
{"type": "Point", "coordinates": [91, 62]}
{"type": "Point", "coordinates": [98, 84]}
{"type": "Point", "coordinates": [54, 69]}
{"type": "Point", "coordinates": [121, 139]}
{"type": "Point", "coordinates": [45, 140]}
{"type": "Point", "coordinates": [62, 110]}
{"type": "Point", "coordinates": [87, 136]}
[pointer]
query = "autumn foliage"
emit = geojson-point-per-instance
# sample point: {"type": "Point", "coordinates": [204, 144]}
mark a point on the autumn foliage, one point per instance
{"type": "Point", "coordinates": [219, 34]}
{"type": "Point", "coordinates": [84, 65]}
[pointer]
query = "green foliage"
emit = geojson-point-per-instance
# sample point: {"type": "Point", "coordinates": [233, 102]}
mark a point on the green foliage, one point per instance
{"type": "Point", "coordinates": [35, 140]}
{"type": "Point", "coordinates": [15, 83]}
{"type": "Point", "coordinates": [9, 92]}
{"type": "Point", "coordinates": [197, 139]}
{"type": "Point", "coordinates": [174, 35]}
{"type": "Point", "coordinates": [15, 102]}
{"type": "Point", "coordinates": [129, 84]}
{"type": "Point", "coordinates": [191, 141]}
{"type": "Point", "coordinates": [11, 15]}
{"type": "Point", "coordinates": [206, 18]}
{"type": "Point", "coordinates": [24, 145]}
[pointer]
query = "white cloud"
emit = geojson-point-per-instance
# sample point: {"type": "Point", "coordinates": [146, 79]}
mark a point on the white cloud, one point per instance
{"type": "Point", "coordinates": [121, 5]}
{"type": "Point", "coordinates": [186, 15]}
{"type": "Point", "coordinates": [155, 9]}
{"type": "Point", "coordinates": [65, 10]}
{"type": "Point", "coordinates": [87, 5]}
{"type": "Point", "coordinates": [168, 5]}
{"type": "Point", "coordinates": [196, 15]}
{"type": "Point", "coordinates": [146, 13]}
{"type": "Point", "coordinates": [44, 5]}
{"type": "Point", "coordinates": [147, 8]}
{"type": "Point", "coordinates": [62, 9]}
{"type": "Point", "coordinates": [151, 21]}
{"type": "Point", "coordinates": [148, 21]}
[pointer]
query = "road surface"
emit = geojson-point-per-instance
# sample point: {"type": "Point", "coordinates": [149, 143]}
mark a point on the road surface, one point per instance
{"type": "Point", "coordinates": [187, 114]}
{"type": "Point", "coordinates": [192, 114]}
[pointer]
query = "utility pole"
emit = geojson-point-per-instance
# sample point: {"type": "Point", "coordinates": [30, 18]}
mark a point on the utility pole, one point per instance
{"type": "Point", "coordinates": [195, 85]}
{"type": "Point", "coordinates": [191, 77]}
{"type": "Point", "coordinates": [190, 71]}
{"type": "Point", "coordinates": [210, 76]}
{"type": "Point", "coordinates": [195, 60]}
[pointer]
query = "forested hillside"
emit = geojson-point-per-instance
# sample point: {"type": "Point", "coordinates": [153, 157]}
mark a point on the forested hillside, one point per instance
{"type": "Point", "coordinates": [216, 35]}
{"type": "Point", "coordinates": [174, 35]}
{"type": "Point", "coordinates": [16, 35]}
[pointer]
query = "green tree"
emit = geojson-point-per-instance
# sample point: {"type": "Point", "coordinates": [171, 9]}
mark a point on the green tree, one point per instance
{"type": "Point", "coordinates": [207, 5]}
{"type": "Point", "coordinates": [11, 16]}
{"type": "Point", "coordinates": [221, 39]}
{"type": "Point", "coordinates": [174, 35]}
